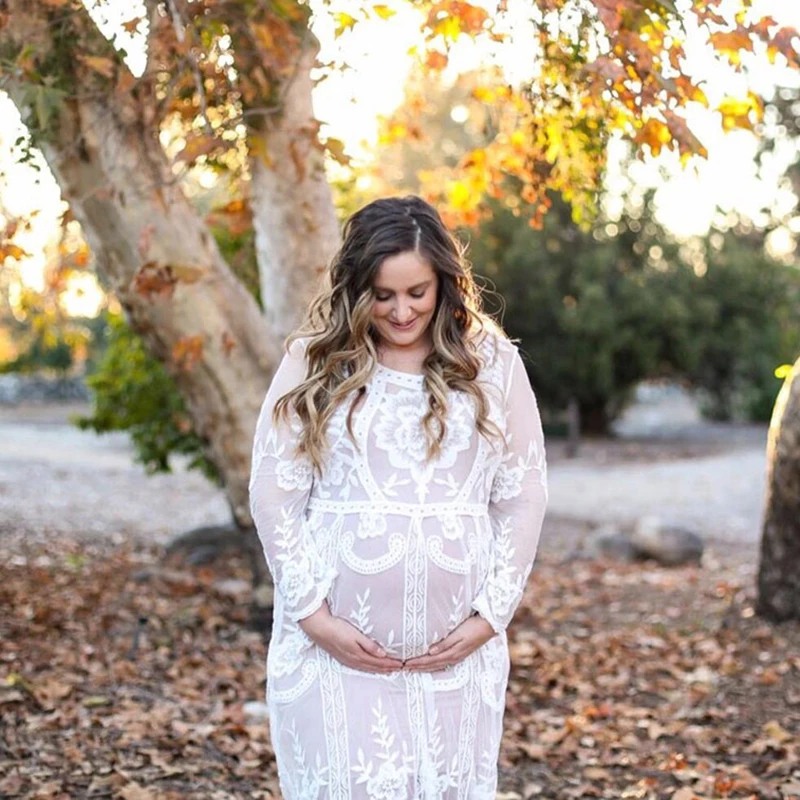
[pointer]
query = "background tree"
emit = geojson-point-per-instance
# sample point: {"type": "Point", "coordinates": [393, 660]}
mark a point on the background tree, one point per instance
{"type": "Point", "coordinates": [778, 584]}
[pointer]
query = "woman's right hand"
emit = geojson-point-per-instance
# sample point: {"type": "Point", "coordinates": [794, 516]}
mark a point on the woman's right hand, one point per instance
{"type": "Point", "coordinates": [346, 643]}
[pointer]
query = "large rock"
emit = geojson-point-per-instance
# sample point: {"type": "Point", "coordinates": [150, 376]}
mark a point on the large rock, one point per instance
{"type": "Point", "coordinates": [666, 543]}
{"type": "Point", "coordinates": [609, 542]}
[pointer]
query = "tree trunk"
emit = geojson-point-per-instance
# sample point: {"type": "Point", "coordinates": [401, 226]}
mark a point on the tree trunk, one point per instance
{"type": "Point", "coordinates": [294, 217]}
{"type": "Point", "coordinates": [779, 569]}
{"type": "Point", "coordinates": [177, 290]}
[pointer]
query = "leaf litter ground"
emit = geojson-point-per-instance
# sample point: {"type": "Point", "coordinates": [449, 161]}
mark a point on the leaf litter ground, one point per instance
{"type": "Point", "coordinates": [125, 677]}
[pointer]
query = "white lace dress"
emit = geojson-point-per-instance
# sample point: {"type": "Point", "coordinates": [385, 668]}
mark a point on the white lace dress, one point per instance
{"type": "Point", "coordinates": [405, 550]}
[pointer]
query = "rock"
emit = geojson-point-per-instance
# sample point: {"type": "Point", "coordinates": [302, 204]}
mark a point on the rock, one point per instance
{"type": "Point", "coordinates": [264, 595]}
{"type": "Point", "coordinates": [205, 554]}
{"type": "Point", "coordinates": [256, 711]}
{"type": "Point", "coordinates": [668, 544]}
{"type": "Point", "coordinates": [232, 587]}
{"type": "Point", "coordinates": [220, 537]}
{"type": "Point", "coordinates": [609, 542]}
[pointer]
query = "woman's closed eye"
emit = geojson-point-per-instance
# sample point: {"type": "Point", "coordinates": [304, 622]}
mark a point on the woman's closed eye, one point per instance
{"type": "Point", "coordinates": [415, 295]}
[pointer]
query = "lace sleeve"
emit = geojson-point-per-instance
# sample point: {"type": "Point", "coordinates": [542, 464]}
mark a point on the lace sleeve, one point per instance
{"type": "Point", "coordinates": [279, 488]}
{"type": "Point", "coordinates": [517, 503]}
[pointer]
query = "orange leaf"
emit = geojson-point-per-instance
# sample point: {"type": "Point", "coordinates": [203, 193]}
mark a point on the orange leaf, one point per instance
{"type": "Point", "coordinates": [436, 60]}
{"type": "Point", "coordinates": [154, 279]}
{"type": "Point", "coordinates": [130, 25]}
{"type": "Point", "coordinates": [655, 134]}
{"type": "Point", "coordinates": [9, 250]}
{"type": "Point", "coordinates": [188, 351]}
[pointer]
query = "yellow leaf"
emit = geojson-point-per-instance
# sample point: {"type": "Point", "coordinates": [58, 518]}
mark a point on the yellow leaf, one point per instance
{"type": "Point", "coordinates": [100, 64]}
{"type": "Point", "coordinates": [741, 113]}
{"type": "Point", "coordinates": [776, 731]}
{"type": "Point", "coordinates": [449, 28]}
{"type": "Point", "coordinates": [782, 372]}
{"type": "Point", "coordinates": [344, 22]}
{"type": "Point", "coordinates": [384, 12]}
{"type": "Point", "coordinates": [187, 273]}
{"type": "Point", "coordinates": [459, 196]}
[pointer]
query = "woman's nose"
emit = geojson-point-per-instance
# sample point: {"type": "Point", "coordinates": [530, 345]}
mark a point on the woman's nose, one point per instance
{"type": "Point", "coordinates": [402, 312]}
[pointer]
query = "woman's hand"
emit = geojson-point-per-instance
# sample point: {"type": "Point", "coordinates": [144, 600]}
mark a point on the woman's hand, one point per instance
{"type": "Point", "coordinates": [471, 634]}
{"type": "Point", "coordinates": [346, 643]}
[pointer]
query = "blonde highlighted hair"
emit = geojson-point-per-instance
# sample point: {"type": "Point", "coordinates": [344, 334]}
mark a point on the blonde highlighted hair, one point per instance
{"type": "Point", "coordinates": [341, 351]}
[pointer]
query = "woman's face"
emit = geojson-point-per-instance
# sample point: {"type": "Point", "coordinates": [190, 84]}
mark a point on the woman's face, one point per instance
{"type": "Point", "coordinates": [405, 288]}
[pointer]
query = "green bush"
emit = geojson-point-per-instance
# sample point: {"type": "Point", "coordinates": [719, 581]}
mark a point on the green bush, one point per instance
{"type": "Point", "coordinates": [746, 322]}
{"type": "Point", "coordinates": [133, 392]}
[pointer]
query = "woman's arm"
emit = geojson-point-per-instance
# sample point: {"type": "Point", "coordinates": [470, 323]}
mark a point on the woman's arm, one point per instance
{"type": "Point", "coordinates": [517, 504]}
{"type": "Point", "coordinates": [280, 485]}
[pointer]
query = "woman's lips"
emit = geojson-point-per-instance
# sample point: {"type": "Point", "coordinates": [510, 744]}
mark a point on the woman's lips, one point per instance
{"type": "Point", "coordinates": [405, 327]}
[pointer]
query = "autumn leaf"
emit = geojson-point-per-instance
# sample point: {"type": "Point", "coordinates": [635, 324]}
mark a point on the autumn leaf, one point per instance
{"type": "Point", "coordinates": [344, 22]}
{"type": "Point", "coordinates": [228, 342]}
{"type": "Point", "coordinates": [436, 61]}
{"type": "Point", "coordinates": [135, 791]}
{"type": "Point", "coordinates": [131, 25]}
{"type": "Point", "coordinates": [384, 12]}
{"type": "Point", "coordinates": [100, 64]}
{"type": "Point", "coordinates": [655, 134]}
{"type": "Point", "coordinates": [187, 352]}
{"type": "Point", "coordinates": [335, 148]}
{"type": "Point", "coordinates": [198, 145]}
{"type": "Point", "coordinates": [185, 273]}
{"type": "Point", "coordinates": [783, 43]}
{"type": "Point", "coordinates": [741, 112]}
{"type": "Point", "coordinates": [152, 279]}
{"type": "Point", "coordinates": [732, 44]}
{"type": "Point", "coordinates": [13, 251]}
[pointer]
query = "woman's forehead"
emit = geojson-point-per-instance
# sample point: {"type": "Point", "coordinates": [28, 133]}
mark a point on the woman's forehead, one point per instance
{"type": "Point", "coordinates": [403, 271]}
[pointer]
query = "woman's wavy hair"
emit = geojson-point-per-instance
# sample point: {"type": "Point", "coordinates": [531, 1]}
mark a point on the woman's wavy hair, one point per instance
{"type": "Point", "coordinates": [341, 351]}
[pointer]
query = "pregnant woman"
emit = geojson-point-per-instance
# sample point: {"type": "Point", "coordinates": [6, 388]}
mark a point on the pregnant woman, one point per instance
{"type": "Point", "coordinates": [398, 487]}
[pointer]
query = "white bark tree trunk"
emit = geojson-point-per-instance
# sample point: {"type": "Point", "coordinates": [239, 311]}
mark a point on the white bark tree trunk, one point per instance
{"type": "Point", "coordinates": [294, 218]}
{"type": "Point", "coordinates": [177, 290]}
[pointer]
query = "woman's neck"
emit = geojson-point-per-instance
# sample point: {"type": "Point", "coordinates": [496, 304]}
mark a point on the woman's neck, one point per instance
{"type": "Point", "coordinates": [408, 358]}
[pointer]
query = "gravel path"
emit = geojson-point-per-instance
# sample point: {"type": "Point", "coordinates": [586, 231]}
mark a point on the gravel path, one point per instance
{"type": "Point", "coordinates": [56, 479]}
{"type": "Point", "coordinates": [718, 496]}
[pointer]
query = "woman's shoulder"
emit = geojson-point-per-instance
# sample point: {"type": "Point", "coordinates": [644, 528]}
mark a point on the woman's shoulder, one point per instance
{"type": "Point", "coordinates": [494, 348]}
{"type": "Point", "coordinates": [295, 347]}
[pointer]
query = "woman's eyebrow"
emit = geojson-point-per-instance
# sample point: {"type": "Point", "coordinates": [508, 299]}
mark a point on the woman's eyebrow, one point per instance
{"type": "Point", "coordinates": [411, 289]}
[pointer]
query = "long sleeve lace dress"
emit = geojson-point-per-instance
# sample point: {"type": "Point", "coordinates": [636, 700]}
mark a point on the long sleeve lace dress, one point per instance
{"type": "Point", "coordinates": [404, 550]}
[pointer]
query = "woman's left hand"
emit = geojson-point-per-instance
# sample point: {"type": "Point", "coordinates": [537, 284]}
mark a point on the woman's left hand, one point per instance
{"type": "Point", "coordinates": [471, 634]}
